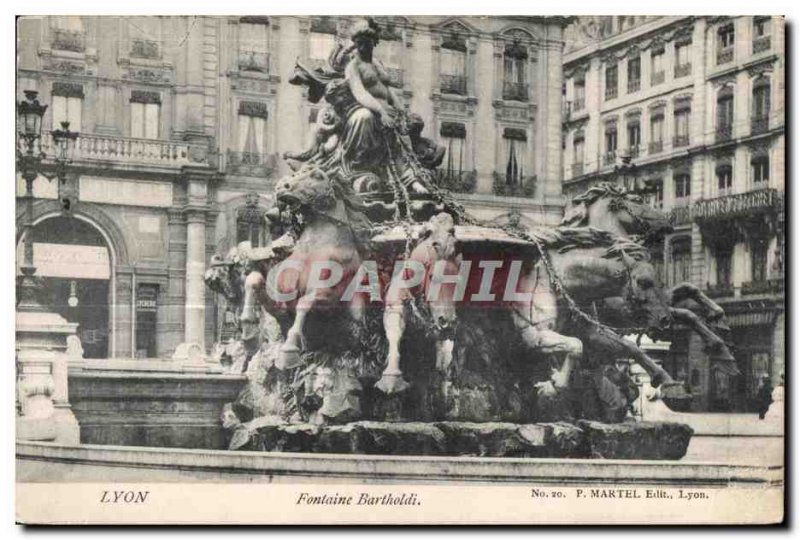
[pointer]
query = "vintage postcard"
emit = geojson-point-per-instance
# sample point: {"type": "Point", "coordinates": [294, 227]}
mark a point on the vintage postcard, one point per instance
{"type": "Point", "coordinates": [345, 269]}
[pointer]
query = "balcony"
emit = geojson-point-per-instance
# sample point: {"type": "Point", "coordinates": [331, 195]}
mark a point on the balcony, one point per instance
{"type": "Point", "coordinates": [719, 290]}
{"type": "Point", "coordinates": [655, 147]}
{"type": "Point", "coordinates": [130, 151]}
{"type": "Point", "coordinates": [724, 55]}
{"type": "Point", "coordinates": [729, 207]}
{"type": "Point", "coordinates": [396, 76]}
{"type": "Point", "coordinates": [146, 49]}
{"type": "Point", "coordinates": [683, 70]}
{"type": "Point", "coordinates": [68, 40]}
{"type": "Point", "coordinates": [577, 169]}
{"type": "Point", "coordinates": [633, 151]}
{"type": "Point", "coordinates": [453, 84]}
{"type": "Point", "coordinates": [723, 133]}
{"type": "Point", "coordinates": [759, 124]}
{"type": "Point", "coordinates": [255, 164]}
{"type": "Point", "coordinates": [457, 181]}
{"type": "Point", "coordinates": [681, 215]}
{"type": "Point", "coordinates": [578, 105]}
{"type": "Point", "coordinates": [611, 93]}
{"type": "Point", "coordinates": [761, 44]}
{"type": "Point", "coordinates": [679, 141]}
{"type": "Point", "coordinates": [634, 85]}
{"type": "Point", "coordinates": [253, 61]}
{"type": "Point", "coordinates": [769, 286]}
{"type": "Point", "coordinates": [515, 91]}
{"type": "Point", "coordinates": [525, 187]}
{"type": "Point", "coordinates": [610, 157]}
{"type": "Point", "coordinates": [657, 78]}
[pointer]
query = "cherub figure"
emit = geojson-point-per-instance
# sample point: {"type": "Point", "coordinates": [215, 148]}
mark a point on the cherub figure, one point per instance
{"type": "Point", "coordinates": [326, 140]}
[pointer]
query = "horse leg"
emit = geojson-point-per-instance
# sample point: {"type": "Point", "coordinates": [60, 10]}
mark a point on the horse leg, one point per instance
{"type": "Point", "coordinates": [394, 324]}
{"type": "Point", "coordinates": [687, 290]}
{"type": "Point", "coordinates": [627, 349]}
{"type": "Point", "coordinates": [289, 356]}
{"type": "Point", "coordinates": [249, 317]}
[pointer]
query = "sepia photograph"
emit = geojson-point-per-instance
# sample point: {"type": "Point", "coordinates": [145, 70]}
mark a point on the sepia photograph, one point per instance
{"type": "Point", "coordinates": [400, 269]}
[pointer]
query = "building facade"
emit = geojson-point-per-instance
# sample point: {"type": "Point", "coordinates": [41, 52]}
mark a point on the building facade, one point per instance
{"type": "Point", "coordinates": [182, 123]}
{"type": "Point", "coordinates": [698, 106]}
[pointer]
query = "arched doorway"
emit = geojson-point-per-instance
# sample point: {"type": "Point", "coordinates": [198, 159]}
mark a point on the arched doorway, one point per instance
{"type": "Point", "coordinates": [74, 262]}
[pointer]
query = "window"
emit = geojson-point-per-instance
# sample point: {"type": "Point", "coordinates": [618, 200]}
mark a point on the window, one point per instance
{"type": "Point", "coordinates": [634, 137]}
{"type": "Point", "coordinates": [683, 61]}
{"type": "Point", "coordinates": [760, 170]}
{"type": "Point", "coordinates": [634, 74]}
{"type": "Point", "coordinates": [611, 138]}
{"type": "Point", "coordinates": [724, 178]}
{"type": "Point", "coordinates": [725, 113]}
{"type": "Point", "coordinates": [144, 34]}
{"type": "Point", "coordinates": [724, 258]}
{"type": "Point", "coordinates": [454, 66]}
{"type": "Point", "coordinates": [725, 40]}
{"type": "Point", "coordinates": [681, 267]}
{"type": "Point", "coordinates": [145, 114]}
{"type": "Point", "coordinates": [761, 27]}
{"type": "Point", "coordinates": [68, 34]}
{"type": "Point", "coordinates": [611, 81]}
{"type": "Point", "coordinates": [514, 73]}
{"type": "Point", "coordinates": [656, 131]}
{"type": "Point", "coordinates": [657, 59]}
{"type": "Point", "coordinates": [252, 131]}
{"type": "Point", "coordinates": [320, 45]}
{"type": "Point", "coordinates": [453, 137]}
{"type": "Point", "coordinates": [580, 95]}
{"type": "Point", "coordinates": [682, 117]}
{"type": "Point", "coordinates": [253, 46]}
{"type": "Point", "coordinates": [683, 187]}
{"type": "Point", "coordinates": [578, 149]}
{"type": "Point", "coordinates": [761, 105]}
{"type": "Point", "coordinates": [758, 258]}
{"type": "Point", "coordinates": [657, 193]}
{"type": "Point", "coordinates": [250, 223]}
{"type": "Point", "coordinates": [146, 309]}
{"type": "Point", "coordinates": [67, 105]}
{"type": "Point", "coordinates": [516, 145]}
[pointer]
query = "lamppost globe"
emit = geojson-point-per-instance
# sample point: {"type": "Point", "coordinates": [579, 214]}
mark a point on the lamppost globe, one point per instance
{"type": "Point", "coordinates": [64, 141]}
{"type": "Point", "coordinates": [30, 114]}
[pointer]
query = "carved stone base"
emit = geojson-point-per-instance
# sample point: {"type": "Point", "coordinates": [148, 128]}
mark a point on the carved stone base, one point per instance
{"type": "Point", "coordinates": [629, 440]}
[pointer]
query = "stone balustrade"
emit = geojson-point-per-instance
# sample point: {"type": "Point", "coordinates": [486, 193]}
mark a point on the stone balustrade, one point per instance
{"type": "Point", "coordinates": [739, 204]}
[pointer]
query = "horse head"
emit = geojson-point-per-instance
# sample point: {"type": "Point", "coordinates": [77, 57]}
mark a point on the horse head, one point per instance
{"type": "Point", "coordinates": [644, 297]}
{"type": "Point", "coordinates": [608, 207]}
{"type": "Point", "coordinates": [439, 249]}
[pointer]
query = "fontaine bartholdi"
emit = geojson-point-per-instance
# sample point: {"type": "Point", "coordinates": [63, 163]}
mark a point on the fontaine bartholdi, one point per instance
{"type": "Point", "coordinates": [383, 318]}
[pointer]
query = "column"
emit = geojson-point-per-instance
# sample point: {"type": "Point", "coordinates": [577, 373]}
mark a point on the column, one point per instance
{"type": "Point", "coordinates": [195, 268]}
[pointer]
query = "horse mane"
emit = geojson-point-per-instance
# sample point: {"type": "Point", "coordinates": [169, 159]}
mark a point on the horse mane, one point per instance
{"type": "Point", "coordinates": [579, 213]}
{"type": "Point", "coordinates": [564, 239]}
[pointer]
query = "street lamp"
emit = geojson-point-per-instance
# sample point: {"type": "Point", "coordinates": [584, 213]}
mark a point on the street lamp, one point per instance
{"type": "Point", "coordinates": [64, 141]}
{"type": "Point", "coordinates": [29, 164]}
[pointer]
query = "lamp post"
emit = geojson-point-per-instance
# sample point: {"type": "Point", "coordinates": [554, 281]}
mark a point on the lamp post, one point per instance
{"type": "Point", "coordinates": [29, 163]}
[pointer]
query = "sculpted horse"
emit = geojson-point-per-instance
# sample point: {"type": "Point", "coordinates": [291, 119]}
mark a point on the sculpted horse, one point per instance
{"type": "Point", "coordinates": [608, 207]}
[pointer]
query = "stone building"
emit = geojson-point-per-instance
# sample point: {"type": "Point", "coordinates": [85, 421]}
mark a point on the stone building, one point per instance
{"type": "Point", "coordinates": [182, 122]}
{"type": "Point", "coordinates": [698, 105]}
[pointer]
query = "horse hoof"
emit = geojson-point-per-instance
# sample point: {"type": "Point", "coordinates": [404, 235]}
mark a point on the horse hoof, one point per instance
{"type": "Point", "coordinates": [288, 358]}
{"type": "Point", "coordinates": [392, 383]}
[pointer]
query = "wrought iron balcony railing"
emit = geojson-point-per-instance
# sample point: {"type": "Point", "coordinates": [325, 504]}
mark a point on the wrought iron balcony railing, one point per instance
{"type": "Point", "coordinates": [681, 215]}
{"type": "Point", "coordinates": [253, 164]}
{"type": "Point", "coordinates": [520, 187]}
{"type": "Point", "coordinates": [68, 40]}
{"type": "Point", "coordinates": [769, 286]}
{"type": "Point", "coordinates": [128, 150]}
{"type": "Point", "coordinates": [719, 290]}
{"type": "Point", "coordinates": [396, 76]}
{"type": "Point", "coordinates": [683, 70]}
{"type": "Point", "coordinates": [254, 61]}
{"type": "Point", "coordinates": [724, 55]}
{"type": "Point", "coordinates": [578, 104]}
{"type": "Point", "coordinates": [609, 158]}
{"type": "Point", "coordinates": [457, 181]}
{"type": "Point", "coordinates": [611, 92]}
{"type": "Point", "coordinates": [515, 91]}
{"type": "Point", "coordinates": [633, 151]}
{"type": "Point", "coordinates": [723, 133]}
{"type": "Point", "coordinates": [759, 124]}
{"type": "Point", "coordinates": [761, 44]}
{"type": "Point", "coordinates": [679, 141]}
{"type": "Point", "coordinates": [145, 48]}
{"type": "Point", "coordinates": [737, 205]}
{"type": "Point", "coordinates": [657, 78]}
{"type": "Point", "coordinates": [634, 85]}
{"type": "Point", "coordinates": [577, 169]}
{"type": "Point", "coordinates": [453, 84]}
{"type": "Point", "coordinates": [655, 147]}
